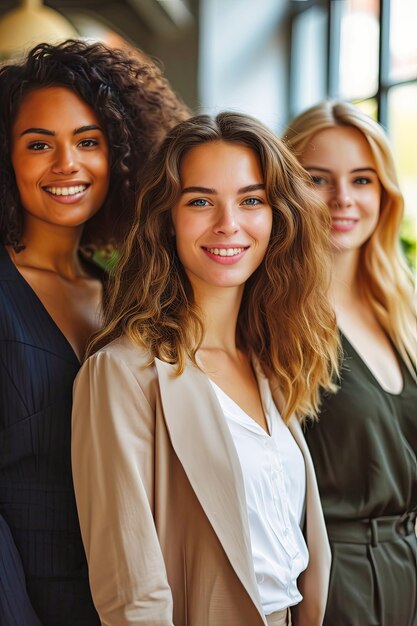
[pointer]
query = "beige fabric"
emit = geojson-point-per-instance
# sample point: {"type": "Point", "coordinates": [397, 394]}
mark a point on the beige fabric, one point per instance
{"type": "Point", "coordinates": [161, 500]}
{"type": "Point", "coordinates": [281, 618]}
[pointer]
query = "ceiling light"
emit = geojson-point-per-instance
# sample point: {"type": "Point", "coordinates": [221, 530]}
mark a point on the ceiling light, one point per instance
{"type": "Point", "coordinates": [29, 24]}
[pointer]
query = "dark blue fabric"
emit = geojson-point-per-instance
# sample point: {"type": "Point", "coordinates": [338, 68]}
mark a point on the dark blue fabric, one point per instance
{"type": "Point", "coordinates": [42, 560]}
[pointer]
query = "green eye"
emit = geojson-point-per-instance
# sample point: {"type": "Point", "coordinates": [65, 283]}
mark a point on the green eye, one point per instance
{"type": "Point", "coordinates": [252, 201]}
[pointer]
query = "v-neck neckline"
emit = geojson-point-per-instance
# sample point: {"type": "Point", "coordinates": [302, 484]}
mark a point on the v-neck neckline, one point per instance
{"type": "Point", "coordinates": [265, 397]}
{"type": "Point", "coordinates": [19, 276]}
{"type": "Point", "coordinates": [370, 373]}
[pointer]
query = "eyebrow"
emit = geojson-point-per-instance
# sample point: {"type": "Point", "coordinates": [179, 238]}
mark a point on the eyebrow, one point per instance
{"type": "Point", "coordinates": [86, 129]}
{"type": "Point", "coordinates": [208, 190]}
{"type": "Point", "coordinates": [37, 131]}
{"type": "Point", "coordinates": [324, 169]}
{"type": "Point", "coordinates": [51, 133]}
{"type": "Point", "coordinates": [256, 187]}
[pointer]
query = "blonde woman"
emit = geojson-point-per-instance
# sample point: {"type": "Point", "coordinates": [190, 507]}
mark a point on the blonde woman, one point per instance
{"type": "Point", "coordinates": [189, 464]}
{"type": "Point", "coordinates": [365, 443]}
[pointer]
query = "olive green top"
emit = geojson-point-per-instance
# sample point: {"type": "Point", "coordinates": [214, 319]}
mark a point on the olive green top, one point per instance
{"type": "Point", "coordinates": [365, 445]}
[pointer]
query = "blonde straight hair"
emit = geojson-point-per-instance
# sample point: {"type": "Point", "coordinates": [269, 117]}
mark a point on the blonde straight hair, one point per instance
{"type": "Point", "coordinates": [285, 320]}
{"type": "Point", "coordinates": [386, 279]}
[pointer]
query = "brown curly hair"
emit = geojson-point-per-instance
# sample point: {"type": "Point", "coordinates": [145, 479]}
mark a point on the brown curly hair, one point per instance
{"type": "Point", "coordinates": [134, 103]}
{"type": "Point", "coordinates": [285, 320]}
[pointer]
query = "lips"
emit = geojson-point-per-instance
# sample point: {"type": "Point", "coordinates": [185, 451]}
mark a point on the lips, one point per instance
{"type": "Point", "coordinates": [68, 193]}
{"type": "Point", "coordinates": [225, 255]}
{"type": "Point", "coordinates": [225, 251]}
{"type": "Point", "coordinates": [343, 224]}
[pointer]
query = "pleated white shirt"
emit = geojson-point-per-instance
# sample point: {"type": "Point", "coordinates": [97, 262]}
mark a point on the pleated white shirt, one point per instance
{"type": "Point", "coordinates": [274, 478]}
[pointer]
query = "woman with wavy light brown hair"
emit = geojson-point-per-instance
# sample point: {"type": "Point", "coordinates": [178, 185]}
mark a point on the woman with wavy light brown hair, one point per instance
{"type": "Point", "coordinates": [365, 443]}
{"type": "Point", "coordinates": [189, 464]}
{"type": "Point", "coordinates": [77, 123]}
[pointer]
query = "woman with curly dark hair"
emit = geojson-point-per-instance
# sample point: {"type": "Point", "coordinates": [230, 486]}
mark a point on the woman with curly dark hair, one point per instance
{"type": "Point", "coordinates": [77, 122]}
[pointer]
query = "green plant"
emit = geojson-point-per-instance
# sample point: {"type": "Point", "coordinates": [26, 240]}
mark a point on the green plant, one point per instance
{"type": "Point", "coordinates": [408, 240]}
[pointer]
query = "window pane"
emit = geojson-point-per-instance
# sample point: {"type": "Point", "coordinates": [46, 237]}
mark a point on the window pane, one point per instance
{"type": "Point", "coordinates": [403, 40]}
{"type": "Point", "coordinates": [402, 107]}
{"type": "Point", "coordinates": [359, 49]}
{"type": "Point", "coordinates": [370, 107]}
{"type": "Point", "coordinates": [308, 59]}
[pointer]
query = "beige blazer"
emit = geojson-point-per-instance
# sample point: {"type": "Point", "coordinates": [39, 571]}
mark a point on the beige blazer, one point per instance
{"type": "Point", "coordinates": [161, 500]}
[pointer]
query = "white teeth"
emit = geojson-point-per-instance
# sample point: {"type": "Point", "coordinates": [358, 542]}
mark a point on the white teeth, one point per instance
{"type": "Point", "coordinates": [343, 221]}
{"type": "Point", "coordinates": [225, 251]}
{"type": "Point", "coordinates": [66, 191]}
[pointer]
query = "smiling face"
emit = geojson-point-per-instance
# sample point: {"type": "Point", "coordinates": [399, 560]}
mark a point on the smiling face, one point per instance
{"type": "Point", "coordinates": [343, 169]}
{"type": "Point", "coordinates": [222, 220]}
{"type": "Point", "coordinates": [60, 158]}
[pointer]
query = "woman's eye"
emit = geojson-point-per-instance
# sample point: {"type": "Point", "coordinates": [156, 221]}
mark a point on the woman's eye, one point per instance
{"type": "Point", "coordinates": [362, 180]}
{"type": "Point", "coordinates": [318, 180]}
{"type": "Point", "coordinates": [88, 143]}
{"type": "Point", "coordinates": [37, 146]}
{"type": "Point", "coordinates": [199, 202]}
{"type": "Point", "coordinates": [252, 201]}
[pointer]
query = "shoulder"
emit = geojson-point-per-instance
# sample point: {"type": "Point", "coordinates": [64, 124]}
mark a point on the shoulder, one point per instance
{"type": "Point", "coordinates": [125, 361]}
{"type": "Point", "coordinates": [116, 390]}
{"type": "Point", "coordinates": [7, 269]}
{"type": "Point", "coordinates": [16, 317]}
{"type": "Point", "coordinates": [126, 352]}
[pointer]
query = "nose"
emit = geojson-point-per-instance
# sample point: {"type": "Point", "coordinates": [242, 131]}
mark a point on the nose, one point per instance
{"type": "Point", "coordinates": [341, 196]}
{"type": "Point", "coordinates": [227, 221]}
{"type": "Point", "coordinates": [65, 161]}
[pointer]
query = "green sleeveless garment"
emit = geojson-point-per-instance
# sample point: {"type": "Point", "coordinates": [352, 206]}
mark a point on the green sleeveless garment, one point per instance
{"type": "Point", "coordinates": [364, 449]}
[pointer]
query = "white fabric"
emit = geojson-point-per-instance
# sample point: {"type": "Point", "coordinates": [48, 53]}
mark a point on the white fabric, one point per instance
{"type": "Point", "coordinates": [274, 478]}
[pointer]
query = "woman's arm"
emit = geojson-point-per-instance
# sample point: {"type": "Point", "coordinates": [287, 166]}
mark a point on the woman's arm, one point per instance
{"type": "Point", "coordinates": [15, 606]}
{"type": "Point", "coordinates": [112, 457]}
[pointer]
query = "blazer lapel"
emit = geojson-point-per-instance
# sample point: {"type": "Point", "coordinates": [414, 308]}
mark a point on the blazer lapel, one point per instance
{"type": "Point", "coordinates": [314, 581]}
{"type": "Point", "coordinates": [203, 444]}
{"type": "Point", "coordinates": [315, 524]}
{"type": "Point", "coordinates": [314, 516]}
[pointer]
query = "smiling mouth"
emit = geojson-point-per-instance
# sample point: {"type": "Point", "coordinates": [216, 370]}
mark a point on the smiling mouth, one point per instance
{"type": "Point", "coordinates": [71, 190]}
{"type": "Point", "coordinates": [345, 221]}
{"type": "Point", "coordinates": [225, 251]}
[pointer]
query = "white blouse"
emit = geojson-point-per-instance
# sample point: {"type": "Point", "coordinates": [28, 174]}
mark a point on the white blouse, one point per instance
{"type": "Point", "coordinates": [274, 478]}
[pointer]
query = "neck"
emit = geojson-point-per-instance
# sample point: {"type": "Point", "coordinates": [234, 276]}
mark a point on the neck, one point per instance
{"type": "Point", "coordinates": [345, 285]}
{"type": "Point", "coordinates": [220, 309]}
{"type": "Point", "coordinates": [50, 247]}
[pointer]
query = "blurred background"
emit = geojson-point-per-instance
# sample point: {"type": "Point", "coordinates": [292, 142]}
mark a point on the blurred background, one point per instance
{"type": "Point", "coordinates": [269, 58]}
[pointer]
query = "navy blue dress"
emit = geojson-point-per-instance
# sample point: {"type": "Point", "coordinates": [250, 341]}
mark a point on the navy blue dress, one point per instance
{"type": "Point", "coordinates": [43, 569]}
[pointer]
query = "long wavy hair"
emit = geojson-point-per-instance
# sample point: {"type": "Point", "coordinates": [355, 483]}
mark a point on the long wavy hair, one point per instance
{"type": "Point", "coordinates": [384, 275]}
{"type": "Point", "coordinates": [285, 320]}
{"type": "Point", "coordinates": [135, 106]}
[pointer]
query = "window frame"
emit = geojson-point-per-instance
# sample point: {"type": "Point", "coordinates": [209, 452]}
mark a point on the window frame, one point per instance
{"type": "Point", "coordinates": [334, 9]}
